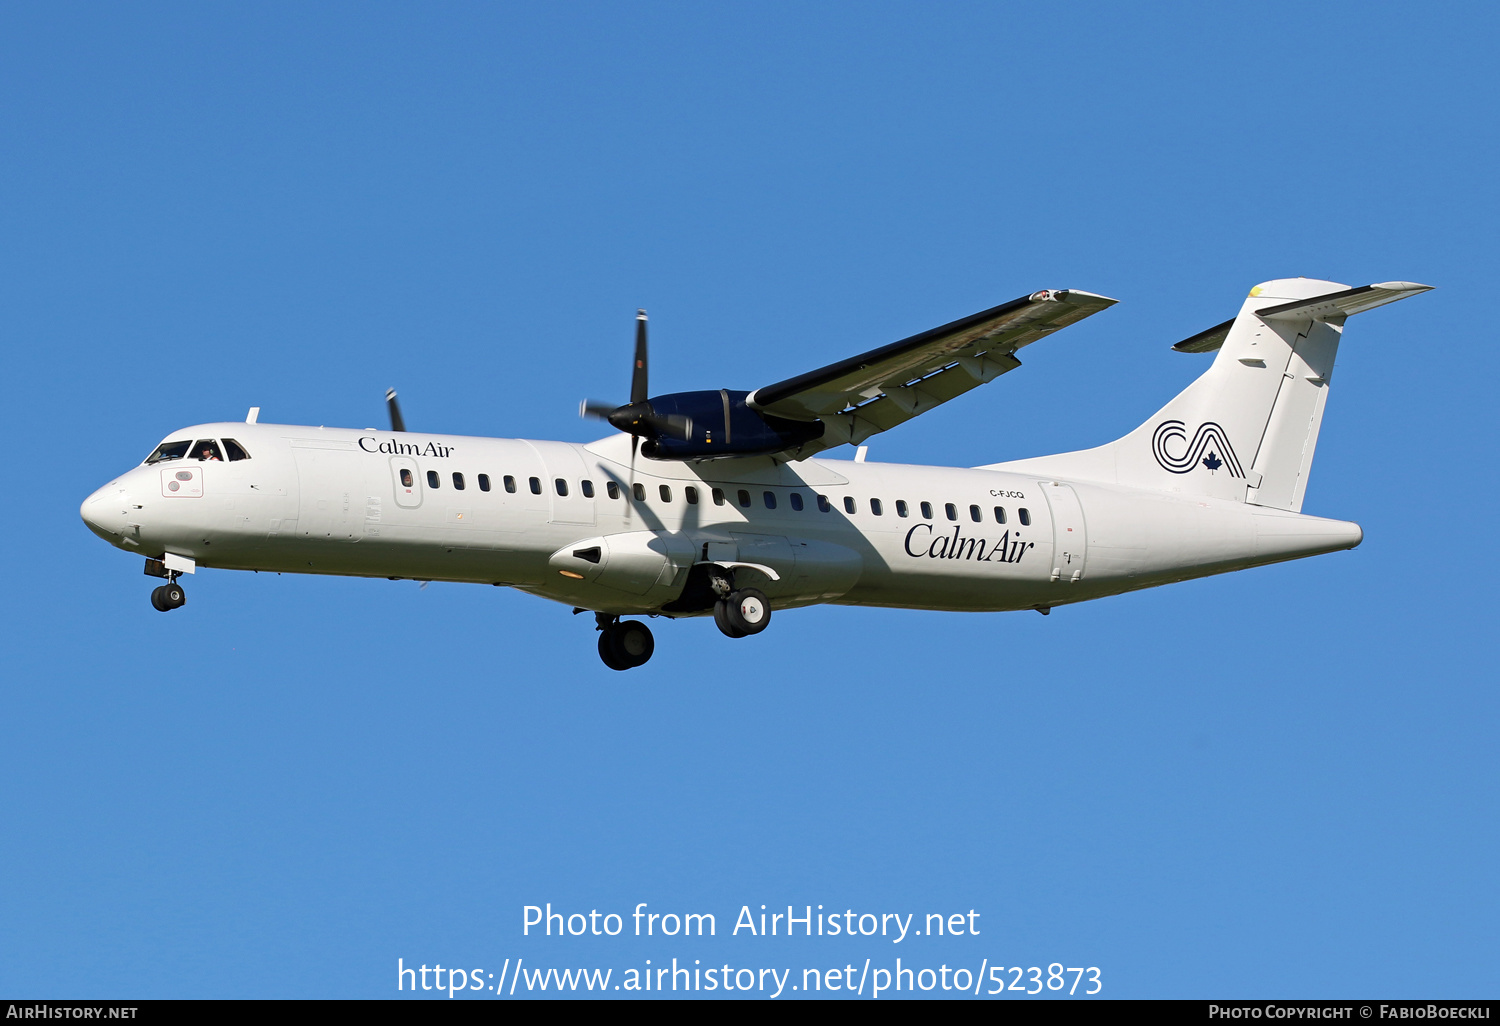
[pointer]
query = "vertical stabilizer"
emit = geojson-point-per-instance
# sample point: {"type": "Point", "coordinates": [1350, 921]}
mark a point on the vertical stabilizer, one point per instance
{"type": "Point", "coordinates": [1246, 430]}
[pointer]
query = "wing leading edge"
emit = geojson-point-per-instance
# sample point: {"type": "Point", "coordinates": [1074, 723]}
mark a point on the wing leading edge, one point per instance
{"type": "Point", "coordinates": [877, 390]}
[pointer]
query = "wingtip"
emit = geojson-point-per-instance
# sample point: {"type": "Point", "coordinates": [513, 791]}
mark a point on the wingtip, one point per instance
{"type": "Point", "coordinates": [1091, 296]}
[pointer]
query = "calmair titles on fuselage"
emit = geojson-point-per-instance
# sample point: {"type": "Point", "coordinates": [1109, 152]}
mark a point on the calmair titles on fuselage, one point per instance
{"type": "Point", "coordinates": [714, 503]}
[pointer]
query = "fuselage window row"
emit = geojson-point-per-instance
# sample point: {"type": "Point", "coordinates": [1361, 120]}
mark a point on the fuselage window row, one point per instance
{"type": "Point", "coordinates": [795, 499]}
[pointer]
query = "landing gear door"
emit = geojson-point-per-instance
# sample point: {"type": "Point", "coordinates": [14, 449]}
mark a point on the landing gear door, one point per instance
{"type": "Point", "coordinates": [407, 481]}
{"type": "Point", "coordinates": [1069, 537]}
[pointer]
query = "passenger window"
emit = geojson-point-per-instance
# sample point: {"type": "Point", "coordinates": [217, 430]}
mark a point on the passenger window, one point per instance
{"type": "Point", "coordinates": [927, 510]}
{"type": "Point", "coordinates": [770, 499]}
{"type": "Point", "coordinates": [823, 506]}
{"type": "Point", "coordinates": [536, 485]}
{"type": "Point", "coordinates": [588, 489]}
{"type": "Point", "coordinates": [849, 506]}
{"type": "Point", "coordinates": [744, 498]}
{"type": "Point", "coordinates": [458, 481]}
{"type": "Point", "coordinates": [691, 495]}
{"type": "Point", "coordinates": [1025, 515]}
{"type": "Point", "coordinates": [561, 486]}
{"type": "Point", "coordinates": [796, 500]}
{"type": "Point", "coordinates": [484, 482]}
{"type": "Point", "coordinates": [875, 507]}
{"type": "Point", "coordinates": [640, 492]}
{"type": "Point", "coordinates": [999, 514]}
{"type": "Point", "coordinates": [718, 496]}
{"type": "Point", "coordinates": [432, 479]}
{"type": "Point", "coordinates": [666, 493]}
{"type": "Point", "coordinates": [975, 515]}
{"type": "Point", "coordinates": [901, 510]}
{"type": "Point", "coordinates": [234, 450]}
{"type": "Point", "coordinates": [510, 484]}
{"type": "Point", "coordinates": [406, 478]}
{"type": "Point", "coordinates": [207, 449]}
{"type": "Point", "coordinates": [612, 489]}
{"type": "Point", "coordinates": [951, 510]}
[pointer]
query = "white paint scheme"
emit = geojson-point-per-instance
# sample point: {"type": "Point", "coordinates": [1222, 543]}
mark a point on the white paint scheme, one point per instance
{"type": "Point", "coordinates": [1102, 521]}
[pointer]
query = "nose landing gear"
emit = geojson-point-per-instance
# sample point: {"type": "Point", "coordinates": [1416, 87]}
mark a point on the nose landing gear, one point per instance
{"type": "Point", "coordinates": [168, 597]}
{"type": "Point", "coordinates": [624, 646]}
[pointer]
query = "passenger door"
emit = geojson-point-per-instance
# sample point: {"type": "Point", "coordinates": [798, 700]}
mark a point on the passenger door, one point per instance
{"type": "Point", "coordinates": [406, 479]}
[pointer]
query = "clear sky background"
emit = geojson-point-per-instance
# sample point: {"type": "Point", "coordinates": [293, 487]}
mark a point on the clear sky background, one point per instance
{"type": "Point", "coordinates": [1277, 783]}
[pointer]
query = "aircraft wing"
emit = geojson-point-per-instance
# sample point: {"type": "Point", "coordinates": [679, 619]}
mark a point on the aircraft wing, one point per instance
{"type": "Point", "coordinates": [876, 391]}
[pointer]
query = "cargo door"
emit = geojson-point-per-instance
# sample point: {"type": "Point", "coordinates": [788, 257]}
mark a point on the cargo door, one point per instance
{"type": "Point", "coordinates": [1069, 535]}
{"type": "Point", "coordinates": [330, 476]}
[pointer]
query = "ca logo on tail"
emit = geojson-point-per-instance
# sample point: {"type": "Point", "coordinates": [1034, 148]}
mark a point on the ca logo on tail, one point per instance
{"type": "Point", "coordinates": [1209, 447]}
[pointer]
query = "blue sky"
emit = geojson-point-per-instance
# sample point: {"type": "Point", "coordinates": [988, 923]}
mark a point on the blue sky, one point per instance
{"type": "Point", "coordinates": [1277, 783]}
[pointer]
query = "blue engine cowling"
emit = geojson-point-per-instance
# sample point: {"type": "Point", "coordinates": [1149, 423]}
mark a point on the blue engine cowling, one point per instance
{"type": "Point", "coordinates": [722, 425]}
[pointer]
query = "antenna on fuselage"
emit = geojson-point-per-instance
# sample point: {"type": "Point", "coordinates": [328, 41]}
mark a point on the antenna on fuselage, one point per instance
{"type": "Point", "coordinates": [397, 423]}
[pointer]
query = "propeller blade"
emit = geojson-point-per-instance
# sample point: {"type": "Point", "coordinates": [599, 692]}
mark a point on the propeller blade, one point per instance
{"type": "Point", "coordinates": [638, 389]}
{"type": "Point", "coordinates": [397, 423]}
{"type": "Point", "coordinates": [594, 408]}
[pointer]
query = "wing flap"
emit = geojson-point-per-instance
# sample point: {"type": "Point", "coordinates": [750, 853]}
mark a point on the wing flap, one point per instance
{"type": "Point", "coordinates": [896, 382]}
{"type": "Point", "coordinates": [898, 405]}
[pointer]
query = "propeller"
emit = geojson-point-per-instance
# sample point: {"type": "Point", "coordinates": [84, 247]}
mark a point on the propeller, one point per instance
{"type": "Point", "coordinates": [397, 423]}
{"type": "Point", "coordinates": [637, 416]}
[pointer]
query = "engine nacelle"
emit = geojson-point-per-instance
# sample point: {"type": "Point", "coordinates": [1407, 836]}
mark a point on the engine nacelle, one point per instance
{"type": "Point", "coordinates": [722, 425]}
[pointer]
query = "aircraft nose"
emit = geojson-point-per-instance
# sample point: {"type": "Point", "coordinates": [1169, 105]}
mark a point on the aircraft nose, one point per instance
{"type": "Point", "coordinates": [104, 512]}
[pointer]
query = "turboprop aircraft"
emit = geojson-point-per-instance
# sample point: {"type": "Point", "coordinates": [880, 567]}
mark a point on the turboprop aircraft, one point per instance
{"type": "Point", "coordinates": [715, 503]}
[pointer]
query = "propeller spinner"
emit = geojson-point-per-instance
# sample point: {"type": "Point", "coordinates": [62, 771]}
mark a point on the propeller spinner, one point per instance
{"type": "Point", "coordinates": [637, 416]}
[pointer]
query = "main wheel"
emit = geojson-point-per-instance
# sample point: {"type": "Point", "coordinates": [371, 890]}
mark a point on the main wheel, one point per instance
{"type": "Point", "coordinates": [156, 600]}
{"type": "Point", "coordinates": [748, 611]}
{"type": "Point", "coordinates": [721, 619]}
{"type": "Point", "coordinates": [607, 650]}
{"type": "Point", "coordinates": [633, 643]}
{"type": "Point", "coordinates": [172, 595]}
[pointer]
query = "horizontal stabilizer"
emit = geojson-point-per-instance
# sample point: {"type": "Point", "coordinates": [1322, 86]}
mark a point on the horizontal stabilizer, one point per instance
{"type": "Point", "coordinates": [1350, 301]}
{"type": "Point", "coordinates": [1333, 305]}
{"type": "Point", "coordinates": [1206, 341]}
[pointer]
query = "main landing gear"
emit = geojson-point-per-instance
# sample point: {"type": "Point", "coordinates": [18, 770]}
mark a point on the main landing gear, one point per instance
{"type": "Point", "coordinates": [738, 612]}
{"type": "Point", "coordinates": [623, 646]}
{"type": "Point", "coordinates": [742, 613]}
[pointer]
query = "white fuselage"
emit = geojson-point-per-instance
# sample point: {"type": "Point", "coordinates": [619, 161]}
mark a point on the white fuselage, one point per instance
{"type": "Point", "coordinates": [364, 503]}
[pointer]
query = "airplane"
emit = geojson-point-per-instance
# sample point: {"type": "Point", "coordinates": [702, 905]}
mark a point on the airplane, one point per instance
{"type": "Point", "coordinates": [716, 503]}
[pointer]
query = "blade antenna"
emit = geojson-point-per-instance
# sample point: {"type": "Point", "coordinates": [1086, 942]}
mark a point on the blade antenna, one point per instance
{"type": "Point", "coordinates": [397, 423]}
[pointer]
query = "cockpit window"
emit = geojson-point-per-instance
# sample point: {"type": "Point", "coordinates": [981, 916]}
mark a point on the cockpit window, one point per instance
{"type": "Point", "coordinates": [169, 451]}
{"type": "Point", "coordinates": [207, 449]}
{"type": "Point", "coordinates": [234, 450]}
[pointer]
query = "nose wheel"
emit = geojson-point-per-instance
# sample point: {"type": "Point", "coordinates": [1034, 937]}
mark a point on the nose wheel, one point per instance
{"type": "Point", "coordinates": [168, 597]}
{"type": "Point", "coordinates": [624, 645]}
